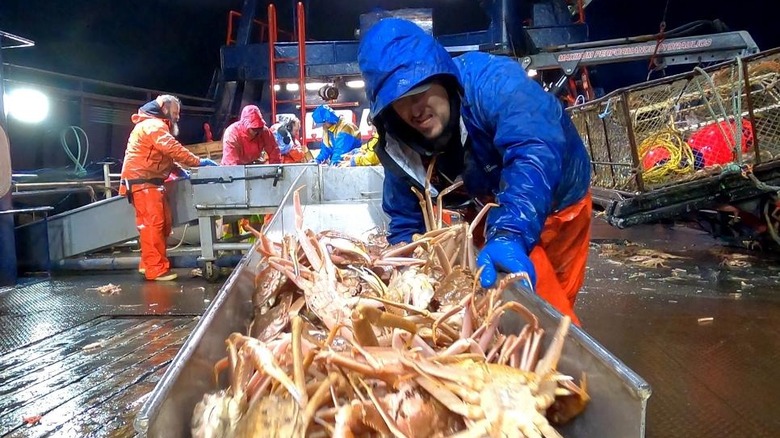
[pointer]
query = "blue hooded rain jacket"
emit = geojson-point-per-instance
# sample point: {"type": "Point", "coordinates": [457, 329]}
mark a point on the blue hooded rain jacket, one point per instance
{"type": "Point", "coordinates": [340, 138]}
{"type": "Point", "coordinates": [520, 145]}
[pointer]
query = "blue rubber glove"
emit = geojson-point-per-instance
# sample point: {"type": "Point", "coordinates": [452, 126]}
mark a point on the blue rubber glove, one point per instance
{"type": "Point", "coordinates": [205, 162]}
{"type": "Point", "coordinates": [504, 253]}
{"type": "Point", "coordinates": [180, 173]}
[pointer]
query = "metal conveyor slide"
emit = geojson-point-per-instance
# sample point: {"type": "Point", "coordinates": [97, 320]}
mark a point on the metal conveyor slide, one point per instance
{"type": "Point", "coordinates": [109, 222]}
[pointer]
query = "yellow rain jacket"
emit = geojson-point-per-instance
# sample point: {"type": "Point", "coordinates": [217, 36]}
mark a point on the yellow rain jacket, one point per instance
{"type": "Point", "coordinates": [366, 155]}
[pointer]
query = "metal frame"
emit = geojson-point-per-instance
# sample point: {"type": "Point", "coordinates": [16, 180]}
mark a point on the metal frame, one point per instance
{"type": "Point", "coordinates": [109, 222]}
{"type": "Point", "coordinates": [673, 51]}
{"type": "Point", "coordinates": [248, 190]}
{"type": "Point", "coordinates": [81, 88]}
{"type": "Point", "coordinates": [273, 60]}
{"type": "Point", "coordinates": [211, 193]}
{"type": "Point", "coordinates": [625, 210]}
{"type": "Point", "coordinates": [628, 208]}
{"type": "Point", "coordinates": [619, 396]}
{"type": "Point", "coordinates": [21, 42]}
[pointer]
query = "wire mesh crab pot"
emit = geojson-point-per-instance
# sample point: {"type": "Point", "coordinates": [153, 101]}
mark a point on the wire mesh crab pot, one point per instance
{"type": "Point", "coordinates": [676, 144]}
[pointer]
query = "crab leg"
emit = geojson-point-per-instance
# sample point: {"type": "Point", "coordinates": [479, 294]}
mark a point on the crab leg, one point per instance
{"type": "Point", "coordinates": [319, 397]}
{"type": "Point", "coordinates": [533, 351]}
{"type": "Point", "coordinates": [374, 282]}
{"type": "Point", "coordinates": [365, 317]}
{"type": "Point", "coordinates": [267, 247]}
{"type": "Point", "coordinates": [468, 244]}
{"type": "Point", "coordinates": [263, 359]}
{"type": "Point", "coordinates": [489, 332]}
{"type": "Point", "coordinates": [461, 346]}
{"type": "Point", "coordinates": [220, 366]}
{"type": "Point", "coordinates": [257, 386]}
{"type": "Point", "coordinates": [298, 373]}
{"type": "Point", "coordinates": [283, 266]}
{"type": "Point", "coordinates": [389, 371]}
{"type": "Point", "coordinates": [550, 360]}
{"type": "Point", "coordinates": [455, 253]}
{"type": "Point", "coordinates": [346, 246]}
{"type": "Point", "coordinates": [424, 208]}
{"type": "Point", "coordinates": [440, 234]}
{"type": "Point", "coordinates": [452, 312]}
{"type": "Point", "coordinates": [444, 262]}
{"type": "Point", "coordinates": [503, 357]}
{"type": "Point", "coordinates": [399, 261]}
{"type": "Point", "coordinates": [514, 305]}
{"type": "Point", "coordinates": [394, 252]}
{"type": "Point", "coordinates": [440, 201]}
{"type": "Point", "coordinates": [380, 409]}
{"type": "Point", "coordinates": [500, 339]}
{"type": "Point", "coordinates": [298, 208]}
{"type": "Point", "coordinates": [328, 341]}
{"type": "Point", "coordinates": [315, 251]}
{"type": "Point", "coordinates": [514, 350]}
{"type": "Point", "coordinates": [407, 307]}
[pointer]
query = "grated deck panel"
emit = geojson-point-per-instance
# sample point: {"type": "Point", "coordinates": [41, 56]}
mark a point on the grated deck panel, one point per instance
{"type": "Point", "coordinates": [88, 380]}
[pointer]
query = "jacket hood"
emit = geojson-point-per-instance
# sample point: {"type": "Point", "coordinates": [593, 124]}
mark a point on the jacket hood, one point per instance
{"type": "Point", "coordinates": [252, 118]}
{"type": "Point", "coordinates": [325, 113]}
{"type": "Point", "coordinates": [150, 110]}
{"type": "Point", "coordinates": [395, 56]}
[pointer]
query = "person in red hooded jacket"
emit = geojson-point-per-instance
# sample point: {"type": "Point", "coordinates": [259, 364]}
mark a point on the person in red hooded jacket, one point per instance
{"type": "Point", "coordinates": [245, 140]}
{"type": "Point", "coordinates": [151, 156]}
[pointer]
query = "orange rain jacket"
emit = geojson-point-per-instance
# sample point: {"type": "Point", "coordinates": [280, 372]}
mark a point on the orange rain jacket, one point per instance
{"type": "Point", "coordinates": [152, 151]}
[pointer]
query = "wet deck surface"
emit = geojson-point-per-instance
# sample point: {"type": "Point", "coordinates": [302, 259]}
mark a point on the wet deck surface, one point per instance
{"type": "Point", "coordinates": [709, 378]}
{"type": "Point", "coordinates": [85, 361]}
{"type": "Point", "coordinates": [89, 380]}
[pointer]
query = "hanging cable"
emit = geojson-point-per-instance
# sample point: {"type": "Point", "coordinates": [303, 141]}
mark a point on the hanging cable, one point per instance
{"type": "Point", "coordinates": [79, 162]}
{"type": "Point", "coordinates": [661, 37]}
{"type": "Point", "coordinates": [183, 235]}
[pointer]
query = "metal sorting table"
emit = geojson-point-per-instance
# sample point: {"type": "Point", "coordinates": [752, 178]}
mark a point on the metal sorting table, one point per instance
{"type": "Point", "coordinates": [619, 396]}
{"type": "Point", "coordinates": [246, 190]}
{"type": "Point", "coordinates": [211, 193]}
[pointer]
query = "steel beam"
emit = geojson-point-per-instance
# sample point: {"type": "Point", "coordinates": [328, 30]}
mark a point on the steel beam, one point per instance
{"type": "Point", "coordinates": [685, 50]}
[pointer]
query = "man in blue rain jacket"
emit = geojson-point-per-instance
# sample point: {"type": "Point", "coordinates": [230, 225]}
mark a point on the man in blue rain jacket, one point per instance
{"type": "Point", "coordinates": [338, 135]}
{"type": "Point", "coordinates": [488, 123]}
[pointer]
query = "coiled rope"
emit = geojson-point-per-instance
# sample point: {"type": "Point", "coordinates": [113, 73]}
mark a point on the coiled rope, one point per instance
{"type": "Point", "coordinates": [680, 160]}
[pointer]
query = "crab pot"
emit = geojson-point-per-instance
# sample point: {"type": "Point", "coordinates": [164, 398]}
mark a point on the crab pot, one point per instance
{"type": "Point", "coordinates": [619, 396]}
{"type": "Point", "coordinates": [668, 146]}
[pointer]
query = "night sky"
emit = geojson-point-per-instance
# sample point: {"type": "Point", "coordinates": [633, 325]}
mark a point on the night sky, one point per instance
{"type": "Point", "coordinates": [174, 44]}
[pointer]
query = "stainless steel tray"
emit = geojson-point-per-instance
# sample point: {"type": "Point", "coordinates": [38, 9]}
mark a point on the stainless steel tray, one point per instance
{"type": "Point", "coordinates": [619, 396]}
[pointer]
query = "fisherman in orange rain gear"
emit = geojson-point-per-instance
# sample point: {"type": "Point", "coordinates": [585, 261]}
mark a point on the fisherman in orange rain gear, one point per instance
{"type": "Point", "coordinates": [244, 141]}
{"type": "Point", "coordinates": [151, 156]}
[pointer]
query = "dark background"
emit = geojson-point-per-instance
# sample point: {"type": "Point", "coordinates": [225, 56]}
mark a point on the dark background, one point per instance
{"type": "Point", "coordinates": [173, 45]}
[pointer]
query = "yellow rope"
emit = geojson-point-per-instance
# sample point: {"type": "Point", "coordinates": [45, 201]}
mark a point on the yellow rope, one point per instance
{"type": "Point", "coordinates": [680, 161]}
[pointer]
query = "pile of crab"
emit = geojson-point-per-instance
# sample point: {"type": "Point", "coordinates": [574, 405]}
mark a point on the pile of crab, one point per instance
{"type": "Point", "coordinates": [355, 338]}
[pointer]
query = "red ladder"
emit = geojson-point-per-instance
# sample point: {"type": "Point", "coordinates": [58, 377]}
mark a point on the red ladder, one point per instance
{"type": "Point", "coordinates": [235, 14]}
{"type": "Point", "coordinates": [274, 60]}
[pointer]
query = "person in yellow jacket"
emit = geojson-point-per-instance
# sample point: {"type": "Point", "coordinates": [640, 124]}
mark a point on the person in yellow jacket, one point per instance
{"type": "Point", "coordinates": [365, 156]}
